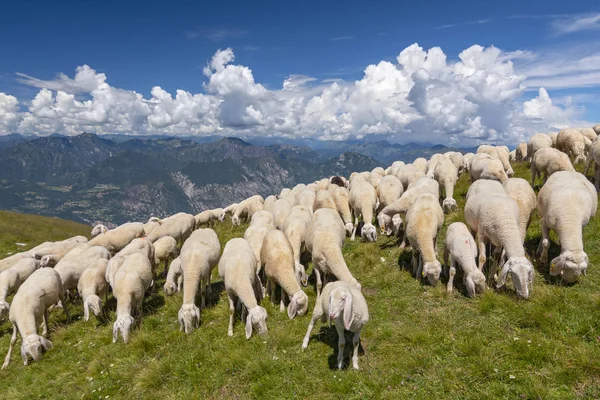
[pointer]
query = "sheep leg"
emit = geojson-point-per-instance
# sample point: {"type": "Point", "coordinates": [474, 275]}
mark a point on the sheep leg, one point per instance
{"type": "Point", "coordinates": [356, 344]}
{"type": "Point", "coordinates": [281, 300]}
{"type": "Point", "coordinates": [45, 324]}
{"type": "Point", "coordinates": [597, 177]}
{"type": "Point", "coordinates": [319, 283]}
{"type": "Point", "coordinates": [13, 340]}
{"type": "Point", "coordinates": [545, 243]}
{"type": "Point", "coordinates": [341, 343]}
{"type": "Point", "coordinates": [481, 245]}
{"type": "Point", "coordinates": [202, 293]}
{"type": "Point", "coordinates": [354, 230]}
{"type": "Point", "coordinates": [209, 289]}
{"type": "Point", "coordinates": [231, 313]}
{"type": "Point", "coordinates": [451, 273]}
{"type": "Point", "coordinates": [533, 174]}
{"type": "Point", "coordinates": [316, 315]}
{"type": "Point", "coordinates": [588, 164]}
{"type": "Point", "coordinates": [66, 310]}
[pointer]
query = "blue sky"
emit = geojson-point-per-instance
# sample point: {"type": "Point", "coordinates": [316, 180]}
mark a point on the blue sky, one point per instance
{"type": "Point", "coordinates": [140, 45]}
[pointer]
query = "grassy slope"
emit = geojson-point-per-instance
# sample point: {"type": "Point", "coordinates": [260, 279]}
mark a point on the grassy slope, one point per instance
{"type": "Point", "coordinates": [420, 342]}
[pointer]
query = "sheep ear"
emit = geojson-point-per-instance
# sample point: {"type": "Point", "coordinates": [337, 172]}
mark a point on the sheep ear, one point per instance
{"type": "Point", "coordinates": [46, 343]}
{"type": "Point", "coordinates": [503, 275]}
{"type": "Point", "coordinates": [86, 310]}
{"type": "Point", "coordinates": [248, 326]}
{"type": "Point", "coordinates": [557, 265]}
{"type": "Point", "coordinates": [348, 312]}
{"type": "Point", "coordinates": [292, 308]}
{"type": "Point", "coordinates": [470, 286]}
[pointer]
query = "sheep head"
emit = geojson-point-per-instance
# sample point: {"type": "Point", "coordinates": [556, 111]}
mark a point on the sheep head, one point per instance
{"type": "Point", "coordinates": [34, 346]}
{"type": "Point", "coordinates": [4, 308]}
{"type": "Point", "coordinates": [47, 261]}
{"type": "Point", "coordinates": [122, 324]}
{"type": "Point", "coordinates": [98, 230]}
{"type": "Point", "coordinates": [188, 317]}
{"type": "Point", "coordinates": [385, 223]}
{"type": "Point", "coordinates": [341, 304]}
{"type": "Point", "coordinates": [449, 205]}
{"type": "Point", "coordinates": [298, 305]}
{"type": "Point", "coordinates": [257, 319]}
{"type": "Point", "coordinates": [522, 274]}
{"type": "Point", "coordinates": [94, 303]}
{"type": "Point", "coordinates": [475, 282]}
{"type": "Point", "coordinates": [222, 216]}
{"type": "Point", "coordinates": [301, 276]}
{"type": "Point", "coordinates": [235, 220]}
{"type": "Point", "coordinates": [349, 228]}
{"type": "Point", "coordinates": [570, 265]}
{"type": "Point", "coordinates": [368, 233]}
{"type": "Point", "coordinates": [170, 288]}
{"type": "Point", "coordinates": [432, 271]}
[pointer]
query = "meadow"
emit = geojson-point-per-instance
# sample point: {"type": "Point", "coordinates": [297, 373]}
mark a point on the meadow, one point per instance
{"type": "Point", "coordinates": [420, 342]}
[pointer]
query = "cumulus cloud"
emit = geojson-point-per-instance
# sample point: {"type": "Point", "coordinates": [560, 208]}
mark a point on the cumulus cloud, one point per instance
{"type": "Point", "coordinates": [422, 95]}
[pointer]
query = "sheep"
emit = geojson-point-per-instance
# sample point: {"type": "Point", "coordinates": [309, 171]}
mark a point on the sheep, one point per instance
{"type": "Point", "coordinates": [498, 153]}
{"type": "Point", "coordinates": [432, 164]}
{"type": "Point", "coordinates": [91, 285]}
{"type": "Point", "coordinates": [467, 160]}
{"type": "Point", "coordinates": [339, 181]}
{"type": "Point", "coordinates": [447, 174]}
{"type": "Point", "coordinates": [385, 218]}
{"type": "Point", "coordinates": [341, 197]}
{"type": "Point", "coordinates": [520, 191]}
{"type": "Point", "coordinates": [238, 271]}
{"type": "Point", "coordinates": [165, 250]}
{"type": "Point", "coordinates": [115, 240]}
{"type": "Point", "coordinates": [421, 164]}
{"type": "Point", "coordinates": [573, 143]}
{"type": "Point", "coordinates": [294, 228]}
{"type": "Point", "coordinates": [458, 161]}
{"type": "Point", "coordinates": [324, 199]}
{"type": "Point", "coordinates": [554, 137]}
{"type": "Point", "coordinates": [281, 210]}
{"type": "Point", "coordinates": [55, 251]}
{"type": "Point", "coordinates": [493, 217]}
{"type": "Point", "coordinates": [547, 161]}
{"type": "Point", "coordinates": [179, 227]}
{"type": "Point", "coordinates": [174, 280]}
{"type": "Point", "coordinates": [199, 255]}
{"type": "Point", "coordinates": [139, 245]}
{"type": "Point", "coordinates": [30, 309]}
{"type": "Point", "coordinates": [263, 218]}
{"type": "Point", "coordinates": [374, 179]}
{"type": "Point", "coordinates": [344, 304]}
{"type": "Point", "coordinates": [76, 261]}
{"type": "Point", "coordinates": [424, 219]}
{"type": "Point", "coordinates": [227, 210]}
{"type": "Point", "coordinates": [597, 129]}
{"type": "Point", "coordinates": [247, 208]}
{"type": "Point", "coordinates": [364, 202]}
{"type": "Point", "coordinates": [486, 167]}
{"type": "Point", "coordinates": [521, 152]}
{"type": "Point", "coordinates": [277, 258]}
{"type": "Point", "coordinates": [566, 203]}
{"type": "Point", "coordinates": [324, 238]}
{"type": "Point", "coordinates": [536, 142]}
{"type": "Point", "coordinates": [594, 157]}
{"type": "Point", "coordinates": [588, 133]}
{"type": "Point", "coordinates": [269, 203]}
{"type": "Point", "coordinates": [460, 248]}
{"type": "Point", "coordinates": [10, 261]}
{"type": "Point", "coordinates": [130, 283]}
{"type": "Point", "coordinates": [512, 156]}
{"type": "Point", "coordinates": [255, 235]}
{"type": "Point", "coordinates": [149, 226]}
{"type": "Point", "coordinates": [409, 174]}
{"type": "Point", "coordinates": [389, 190]}
{"type": "Point", "coordinates": [205, 218]}
{"type": "Point", "coordinates": [12, 278]}
{"type": "Point", "coordinates": [307, 198]}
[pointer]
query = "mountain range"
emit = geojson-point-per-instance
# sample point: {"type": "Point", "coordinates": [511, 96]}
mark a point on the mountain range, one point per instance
{"type": "Point", "coordinates": [89, 178]}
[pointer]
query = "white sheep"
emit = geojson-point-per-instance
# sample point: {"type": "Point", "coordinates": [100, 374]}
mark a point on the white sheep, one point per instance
{"type": "Point", "coordinates": [263, 218]}
{"type": "Point", "coordinates": [10, 261]}
{"type": "Point", "coordinates": [467, 160]}
{"type": "Point", "coordinates": [129, 285]}
{"type": "Point", "coordinates": [277, 258]}
{"type": "Point", "coordinates": [493, 216]}
{"type": "Point", "coordinates": [594, 157]}
{"type": "Point", "coordinates": [227, 210]}
{"type": "Point", "coordinates": [269, 203]}
{"type": "Point", "coordinates": [246, 208]}
{"type": "Point", "coordinates": [547, 161]}
{"type": "Point", "coordinates": [325, 235]}
{"type": "Point", "coordinates": [421, 164]}
{"type": "Point", "coordinates": [55, 251]}
{"type": "Point", "coordinates": [520, 191]}
{"type": "Point", "coordinates": [255, 235]}
{"type": "Point", "coordinates": [294, 228]}
{"type": "Point", "coordinates": [165, 250]}
{"type": "Point", "coordinates": [574, 144]}
{"type": "Point", "coordinates": [324, 199]}
{"type": "Point", "coordinates": [30, 309]}
{"type": "Point", "coordinates": [115, 240]}
{"type": "Point", "coordinates": [199, 255]}
{"type": "Point", "coordinates": [447, 174]}
{"type": "Point", "coordinates": [238, 271]}
{"type": "Point", "coordinates": [91, 285]}
{"type": "Point", "coordinates": [281, 210]}
{"type": "Point", "coordinates": [431, 164]}
{"type": "Point", "coordinates": [460, 248]}
{"type": "Point", "coordinates": [389, 190]}
{"type": "Point", "coordinates": [424, 219]}
{"type": "Point", "coordinates": [566, 203]}
{"type": "Point", "coordinates": [341, 196]}
{"type": "Point", "coordinates": [554, 137]}
{"type": "Point", "coordinates": [149, 226]}
{"type": "Point", "coordinates": [409, 174]}
{"type": "Point", "coordinates": [596, 129]}
{"type": "Point", "coordinates": [346, 306]}
{"type": "Point", "coordinates": [364, 202]}
{"type": "Point", "coordinates": [76, 261]}
{"type": "Point", "coordinates": [179, 226]}
{"type": "Point", "coordinates": [12, 278]}
{"type": "Point", "coordinates": [205, 218]}
{"type": "Point", "coordinates": [174, 280]}
{"type": "Point", "coordinates": [484, 166]}
{"type": "Point", "coordinates": [588, 133]}
{"type": "Point", "coordinates": [536, 142]}
{"type": "Point", "coordinates": [521, 152]}
{"type": "Point", "coordinates": [139, 245]}
{"type": "Point", "coordinates": [458, 161]}
{"type": "Point", "coordinates": [307, 198]}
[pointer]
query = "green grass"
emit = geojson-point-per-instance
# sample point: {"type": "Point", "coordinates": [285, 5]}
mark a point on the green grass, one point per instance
{"type": "Point", "coordinates": [420, 342]}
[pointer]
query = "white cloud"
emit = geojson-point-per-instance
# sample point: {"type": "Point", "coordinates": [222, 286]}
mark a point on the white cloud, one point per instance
{"type": "Point", "coordinates": [338, 38]}
{"type": "Point", "coordinates": [576, 23]}
{"type": "Point", "coordinates": [423, 96]}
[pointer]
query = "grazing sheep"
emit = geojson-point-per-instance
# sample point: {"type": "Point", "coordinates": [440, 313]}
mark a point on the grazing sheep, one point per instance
{"type": "Point", "coordinates": [575, 145]}
{"type": "Point", "coordinates": [389, 190]}
{"type": "Point", "coordinates": [343, 303]}
{"type": "Point", "coordinates": [594, 157]}
{"type": "Point", "coordinates": [467, 160]}
{"type": "Point", "coordinates": [165, 250]}
{"type": "Point", "coordinates": [263, 218]}
{"type": "Point", "coordinates": [307, 199]}
{"type": "Point", "coordinates": [76, 261]}
{"type": "Point", "coordinates": [484, 166]}
{"type": "Point", "coordinates": [547, 161]}
{"type": "Point", "coordinates": [520, 191]}
{"type": "Point", "coordinates": [115, 240]}
{"type": "Point", "coordinates": [512, 156]}
{"type": "Point", "coordinates": [364, 202]}
{"type": "Point", "coordinates": [424, 219]}
{"type": "Point", "coordinates": [433, 161]}
{"type": "Point", "coordinates": [238, 271]}
{"type": "Point", "coordinates": [588, 133]}
{"type": "Point", "coordinates": [596, 129]}
{"type": "Point", "coordinates": [174, 280]}
{"type": "Point", "coordinates": [10, 261]}
{"type": "Point", "coordinates": [205, 218]}
{"type": "Point", "coordinates": [503, 156]}
{"type": "Point", "coordinates": [269, 203]}
{"type": "Point", "coordinates": [199, 255]}
{"type": "Point", "coordinates": [255, 235]}
{"type": "Point", "coordinates": [130, 283]}
{"type": "Point", "coordinates": [294, 228]}
{"type": "Point", "coordinates": [409, 174]}
{"type": "Point", "coordinates": [149, 226]}
{"type": "Point", "coordinates": [281, 210]}
{"type": "Point", "coordinates": [324, 238]}
{"type": "Point", "coordinates": [374, 179]}
{"type": "Point", "coordinates": [324, 199]}
{"type": "Point", "coordinates": [55, 251]}
{"type": "Point", "coordinates": [180, 227]}
{"type": "Point", "coordinates": [521, 152]}
{"type": "Point", "coordinates": [91, 285]}
{"type": "Point", "coordinates": [341, 196]}
{"type": "Point", "coordinates": [536, 142]}
{"type": "Point", "coordinates": [458, 161]}
{"type": "Point", "coordinates": [139, 245]}
{"type": "Point", "coordinates": [460, 248]}
{"type": "Point", "coordinates": [566, 203]}
{"type": "Point", "coordinates": [246, 209]}
{"type": "Point", "coordinates": [12, 278]}
{"type": "Point", "coordinates": [447, 174]}
{"type": "Point", "coordinates": [277, 258]}
{"type": "Point", "coordinates": [30, 309]}
{"type": "Point", "coordinates": [493, 216]}
{"type": "Point", "coordinates": [554, 137]}
{"type": "Point", "coordinates": [421, 164]}
{"type": "Point", "coordinates": [227, 210]}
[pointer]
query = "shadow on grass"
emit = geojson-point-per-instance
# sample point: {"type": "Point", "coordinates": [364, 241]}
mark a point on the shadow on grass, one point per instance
{"type": "Point", "coordinates": [329, 336]}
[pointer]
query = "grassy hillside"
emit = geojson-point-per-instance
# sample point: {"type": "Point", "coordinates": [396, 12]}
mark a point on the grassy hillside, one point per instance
{"type": "Point", "coordinates": [32, 230]}
{"type": "Point", "coordinates": [420, 342]}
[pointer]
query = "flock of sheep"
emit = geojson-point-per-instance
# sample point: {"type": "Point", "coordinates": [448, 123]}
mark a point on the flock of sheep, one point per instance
{"type": "Point", "coordinates": [310, 223]}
